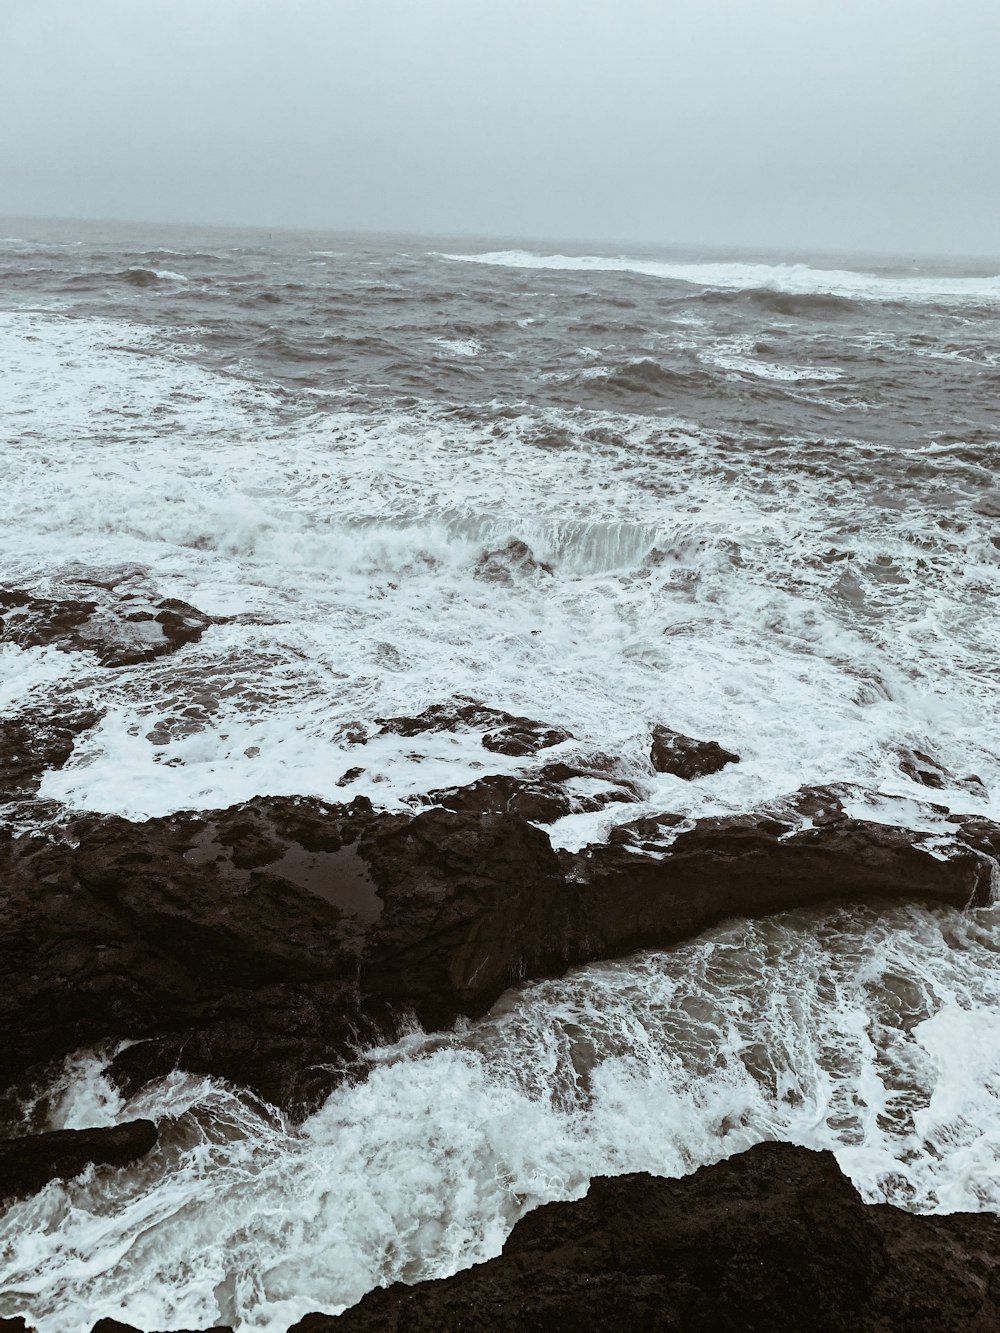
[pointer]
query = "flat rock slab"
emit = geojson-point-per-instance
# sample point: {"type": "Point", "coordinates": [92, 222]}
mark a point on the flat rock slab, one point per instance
{"type": "Point", "coordinates": [773, 1239]}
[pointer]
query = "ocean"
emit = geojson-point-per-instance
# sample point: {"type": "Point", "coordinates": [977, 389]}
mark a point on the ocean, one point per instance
{"type": "Point", "coordinates": [754, 501]}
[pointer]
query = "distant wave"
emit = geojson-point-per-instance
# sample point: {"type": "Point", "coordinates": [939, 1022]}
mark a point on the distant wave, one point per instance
{"type": "Point", "coordinates": [789, 279]}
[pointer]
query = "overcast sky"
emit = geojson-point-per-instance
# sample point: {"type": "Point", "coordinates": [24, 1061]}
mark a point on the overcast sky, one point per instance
{"type": "Point", "coordinates": [837, 124]}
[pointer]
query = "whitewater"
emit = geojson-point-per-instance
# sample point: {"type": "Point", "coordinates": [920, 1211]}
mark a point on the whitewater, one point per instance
{"type": "Point", "coordinates": [759, 506]}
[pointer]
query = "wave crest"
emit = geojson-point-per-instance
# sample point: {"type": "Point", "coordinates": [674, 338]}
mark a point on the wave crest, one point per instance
{"type": "Point", "coordinates": [786, 279]}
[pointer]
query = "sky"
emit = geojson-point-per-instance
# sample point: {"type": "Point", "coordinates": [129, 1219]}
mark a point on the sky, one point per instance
{"type": "Point", "coordinates": [801, 124]}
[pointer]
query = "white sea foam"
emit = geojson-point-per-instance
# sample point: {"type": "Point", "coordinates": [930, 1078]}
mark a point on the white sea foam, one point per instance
{"type": "Point", "coordinates": [348, 544]}
{"type": "Point", "coordinates": [795, 279]}
{"type": "Point", "coordinates": [875, 1035]}
{"type": "Point", "coordinates": [459, 346]}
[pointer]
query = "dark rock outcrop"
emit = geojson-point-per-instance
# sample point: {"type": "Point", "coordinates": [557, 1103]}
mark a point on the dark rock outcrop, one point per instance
{"type": "Point", "coordinates": [773, 1239]}
{"type": "Point", "coordinates": [28, 1163]}
{"type": "Point", "coordinates": [116, 1326]}
{"type": "Point", "coordinates": [503, 733]}
{"type": "Point", "coordinates": [685, 757]}
{"type": "Point", "coordinates": [272, 942]}
{"type": "Point", "coordinates": [520, 736]}
{"type": "Point", "coordinates": [34, 743]}
{"type": "Point", "coordinates": [234, 939]}
{"type": "Point", "coordinates": [749, 865]}
{"type": "Point", "coordinates": [123, 628]}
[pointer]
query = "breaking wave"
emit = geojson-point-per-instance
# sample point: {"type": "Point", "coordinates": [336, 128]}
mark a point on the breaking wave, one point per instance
{"type": "Point", "coordinates": [782, 279]}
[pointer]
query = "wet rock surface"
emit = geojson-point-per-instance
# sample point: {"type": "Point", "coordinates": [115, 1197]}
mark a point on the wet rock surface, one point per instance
{"type": "Point", "coordinates": [273, 942]}
{"type": "Point", "coordinates": [123, 627]}
{"type": "Point", "coordinates": [116, 1326]}
{"type": "Point", "coordinates": [776, 1238]}
{"type": "Point", "coordinates": [35, 742]}
{"type": "Point", "coordinates": [537, 798]}
{"type": "Point", "coordinates": [685, 757]}
{"type": "Point", "coordinates": [503, 733]}
{"type": "Point", "coordinates": [30, 1162]}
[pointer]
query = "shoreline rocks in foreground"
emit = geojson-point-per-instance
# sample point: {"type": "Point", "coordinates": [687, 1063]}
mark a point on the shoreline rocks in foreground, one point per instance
{"type": "Point", "coordinates": [273, 942]}
{"type": "Point", "coordinates": [776, 1238]}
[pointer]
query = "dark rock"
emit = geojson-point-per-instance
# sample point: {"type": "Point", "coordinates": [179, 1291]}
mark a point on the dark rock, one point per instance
{"type": "Point", "coordinates": [773, 1239]}
{"type": "Point", "coordinates": [275, 942]}
{"type": "Point", "coordinates": [350, 776]}
{"type": "Point", "coordinates": [15, 1326]}
{"type": "Point", "coordinates": [521, 736]}
{"type": "Point", "coordinates": [514, 560]}
{"type": "Point", "coordinates": [26, 1164]}
{"type": "Point", "coordinates": [457, 714]}
{"type": "Point", "coordinates": [36, 742]}
{"type": "Point", "coordinates": [123, 628]}
{"type": "Point", "coordinates": [505, 732]}
{"type": "Point", "coordinates": [532, 798]}
{"type": "Point", "coordinates": [649, 834]}
{"type": "Point", "coordinates": [116, 1326]}
{"type": "Point", "coordinates": [750, 865]}
{"type": "Point", "coordinates": [685, 757]}
{"type": "Point", "coordinates": [236, 940]}
{"type": "Point", "coordinates": [921, 768]}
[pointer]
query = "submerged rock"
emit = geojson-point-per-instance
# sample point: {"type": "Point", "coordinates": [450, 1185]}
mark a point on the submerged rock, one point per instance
{"type": "Point", "coordinates": [920, 767]}
{"type": "Point", "coordinates": [685, 757]}
{"type": "Point", "coordinates": [776, 1238]}
{"type": "Point", "coordinates": [30, 1162]}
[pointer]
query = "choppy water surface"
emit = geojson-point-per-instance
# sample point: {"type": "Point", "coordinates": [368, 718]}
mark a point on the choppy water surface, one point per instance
{"type": "Point", "coordinates": [762, 501]}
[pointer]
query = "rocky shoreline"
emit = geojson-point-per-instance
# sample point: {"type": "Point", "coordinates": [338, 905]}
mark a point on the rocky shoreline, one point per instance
{"type": "Point", "coordinates": [275, 942]}
{"type": "Point", "coordinates": [773, 1238]}
{"type": "Point", "coordinates": [261, 942]}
